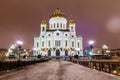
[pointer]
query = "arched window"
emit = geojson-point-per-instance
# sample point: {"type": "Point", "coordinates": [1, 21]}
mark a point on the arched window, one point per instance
{"type": "Point", "coordinates": [51, 26]}
{"type": "Point", "coordinates": [72, 27]}
{"type": "Point", "coordinates": [78, 44]}
{"type": "Point", "coordinates": [43, 28]}
{"type": "Point", "coordinates": [49, 52]}
{"type": "Point", "coordinates": [66, 43]}
{"type": "Point", "coordinates": [49, 43]}
{"type": "Point", "coordinates": [54, 25]}
{"type": "Point", "coordinates": [61, 25]}
{"type": "Point", "coordinates": [72, 43]}
{"type": "Point", "coordinates": [66, 52]}
{"type": "Point", "coordinates": [57, 43]}
{"type": "Point", "coordinates": [42, 44]}
{"type": "Point", "coordinates": [57, 25]}
{"type": "Point", "coordinates": [37, 44]}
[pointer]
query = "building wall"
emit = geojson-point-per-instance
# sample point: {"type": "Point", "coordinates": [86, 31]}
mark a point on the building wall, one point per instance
{"type": "Point", "coordinates": [72, 43]}
{"type": "Point", "coordinates": [58, 36]}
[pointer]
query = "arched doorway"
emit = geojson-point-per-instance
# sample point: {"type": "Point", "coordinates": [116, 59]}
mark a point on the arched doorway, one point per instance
{"type": "Point", "coordinates": [57, 52]}
{"type": "Point", "coordinates": [49, 52]}
{"type": "Point", "coordinates": [66, 52]}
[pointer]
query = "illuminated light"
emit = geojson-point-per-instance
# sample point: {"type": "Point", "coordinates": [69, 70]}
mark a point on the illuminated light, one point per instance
{"type": "Point", "coordinates": [107, 51]}
{"type": "Point", "coordinates": [98, 51]}
{"type": "Point", "coordinates": [91, 42]}
{"type": "Point", "coordinates": [34, 49]}
{"type": "Point", "coordinates": [10, 51]}
{"type": "Point", "coordinates": [19, 42]}
{"type": "Point", "coordinates": [77, 49]}
{"type": "Point", "coordinates": [7, 54]}
{"type": "Point", "coordinates": [118, 74]}
{"type": "Point", "coordinates": [25, 50]}
{"type": "Point", "coordinates": [12, 46]}
{"type": "Point", "coordinates": [105, 46]}
{"type": "Point", "coordinates": [90, 53]}
{"type": "Point", "coordinates": [114, 72]}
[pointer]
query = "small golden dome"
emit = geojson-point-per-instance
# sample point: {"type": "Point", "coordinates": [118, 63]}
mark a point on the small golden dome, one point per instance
{"type": "Point", "coordinates": [58, 13]}
{"type": "Point", "coordinates": [43, 22]}
{"type": "Point", "coordinates": [71, 22]}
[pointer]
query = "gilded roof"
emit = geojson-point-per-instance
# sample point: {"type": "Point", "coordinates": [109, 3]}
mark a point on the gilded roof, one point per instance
{"type": "Point", "coordinates": [58, 13]}
{"type": "Point", "coordinates": [43, 22]}
{"type": "Point", "coordinates": [71, 22]}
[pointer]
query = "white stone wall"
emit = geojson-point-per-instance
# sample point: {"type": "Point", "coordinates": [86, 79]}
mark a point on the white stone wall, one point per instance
{"type": "Point", "coordinates": [58, 25]}
{"type": "Point", "coordinates": [61, 37]}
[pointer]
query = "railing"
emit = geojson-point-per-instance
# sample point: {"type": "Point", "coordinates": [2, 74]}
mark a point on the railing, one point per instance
{"type": "Point", "coordinates": [106, 65]}
{"type": "Point", "coordinates": [11, 65]}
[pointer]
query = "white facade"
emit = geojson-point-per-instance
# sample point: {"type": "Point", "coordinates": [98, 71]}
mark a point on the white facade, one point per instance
{"type": "Point", "coordinates": [57, 38]}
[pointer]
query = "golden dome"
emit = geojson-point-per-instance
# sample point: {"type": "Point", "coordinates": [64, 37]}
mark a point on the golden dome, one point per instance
{"type": "Point", "coordinates": [43, 22]}
{"type": "Point", "coordinates": [71, 22]}
{"type": "Point", "coordinates": [58, 13]}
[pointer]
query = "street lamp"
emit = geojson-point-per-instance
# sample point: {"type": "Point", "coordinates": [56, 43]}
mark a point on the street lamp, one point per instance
{"type": "Point", "coordinates": [90, 52]}
{"type": "Point", "coordinates": [19, 43]}
{"type": "Point", "coordinates": [91, 42]}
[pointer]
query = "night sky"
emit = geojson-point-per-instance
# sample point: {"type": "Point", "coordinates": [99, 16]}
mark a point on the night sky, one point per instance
{"type": "Point", "coordinates": [97, 20]}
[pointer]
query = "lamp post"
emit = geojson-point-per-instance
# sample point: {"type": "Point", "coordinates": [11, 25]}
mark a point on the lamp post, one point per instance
{"type": "Point", "coordinates": [90, 52]}
{"type": "Point", "coordinates": [19, 43]}
{"type": "Point", "coordinates": [91, 42]}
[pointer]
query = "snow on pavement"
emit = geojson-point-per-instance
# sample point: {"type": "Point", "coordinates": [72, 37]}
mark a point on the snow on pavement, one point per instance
{"type": "Point", "coordinates": [58, 70]}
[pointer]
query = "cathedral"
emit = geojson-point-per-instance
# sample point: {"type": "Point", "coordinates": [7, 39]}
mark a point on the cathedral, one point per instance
{"type": "Point", "coordinates": [58, 37]}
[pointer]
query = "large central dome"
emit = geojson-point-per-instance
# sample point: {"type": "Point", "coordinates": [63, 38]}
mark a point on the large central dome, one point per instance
{"type": "Point", "coordinates": [57, 20]}
{"type": "Point", "coordinates": [58, 13]}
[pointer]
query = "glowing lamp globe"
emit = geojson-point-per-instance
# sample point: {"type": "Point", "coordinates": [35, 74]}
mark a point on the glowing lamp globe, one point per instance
{"type": "Point", "coordinates": [19, 42]}
{"type": "Point", "coordinates": [91, 42]}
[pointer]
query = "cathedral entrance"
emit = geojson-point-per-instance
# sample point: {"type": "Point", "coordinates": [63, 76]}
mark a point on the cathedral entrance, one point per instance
{"type": "Point", "coordinates": [66, 52]}
{"type": "Point", "coordinates": [49, 52]}
{"type": "Point", "coordinates": [57, 52]}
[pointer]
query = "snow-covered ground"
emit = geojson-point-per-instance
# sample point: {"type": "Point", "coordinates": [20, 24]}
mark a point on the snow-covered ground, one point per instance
{"type": "Point", "coordinates": [58, 70]}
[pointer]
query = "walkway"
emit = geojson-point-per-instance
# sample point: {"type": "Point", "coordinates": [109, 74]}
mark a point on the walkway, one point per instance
{"type": "Point", "coordinates": [58, 70]}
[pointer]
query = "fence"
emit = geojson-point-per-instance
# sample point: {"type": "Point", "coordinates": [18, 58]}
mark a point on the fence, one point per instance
{"type": "Point", "coordinates": [11, 65]}
{"type": "Point", "coordinates": [111, 66]}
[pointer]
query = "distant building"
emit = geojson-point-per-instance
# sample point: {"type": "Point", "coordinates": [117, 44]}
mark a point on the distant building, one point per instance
{"type": "Point", "coordinates": [94, 51]}
{"type": "Point", "coordinates": [115, 52]}
{"type": "Point", "coordinates": [58, 38]}
{"type": "Point", "coordinates": [97, 51]}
